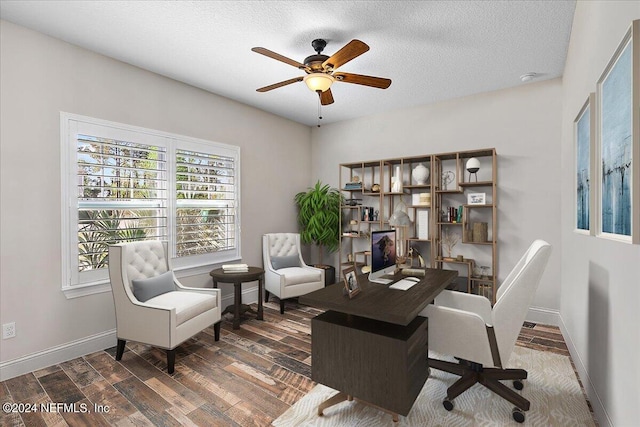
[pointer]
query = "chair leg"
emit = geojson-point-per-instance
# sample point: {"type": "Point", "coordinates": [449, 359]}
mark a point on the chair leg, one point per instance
{"type": "Point", "coordinates": [120, 349]}
{"type": "Point", "coordinates": [506, 393]}
{"type": "Point", "coordinates": [281, 306]}
{"type": "Point", "coordinates": [171, 360]}
{"type": "Point", "coordinates": [216, 331]}
{"type": "Point", "coordinates": [266, 296]}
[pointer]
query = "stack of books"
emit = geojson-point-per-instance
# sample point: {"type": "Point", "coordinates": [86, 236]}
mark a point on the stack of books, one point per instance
{"type": "Point", "coordinates": [235, 268]}
{"type": "Point", "coordinates": [353, 186]}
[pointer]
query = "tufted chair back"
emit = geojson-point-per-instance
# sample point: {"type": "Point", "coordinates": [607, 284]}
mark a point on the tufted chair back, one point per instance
{"type": "Point", "coordinates": [283, 244]}
{"type": "Point", "coordinates": [144, 259]}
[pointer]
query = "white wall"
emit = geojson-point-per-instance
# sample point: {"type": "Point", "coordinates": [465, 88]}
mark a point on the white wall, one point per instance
{"type": "Point", "coordinates": [522, 124]}
{"type": "Point", "coordinates": [600, 291]}
{"type": "Point", "coordinates": [41, 76]}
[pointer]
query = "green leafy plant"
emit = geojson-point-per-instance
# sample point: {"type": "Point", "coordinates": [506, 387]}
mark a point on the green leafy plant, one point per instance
{"type": "Point", "coordinates": [319, 216]}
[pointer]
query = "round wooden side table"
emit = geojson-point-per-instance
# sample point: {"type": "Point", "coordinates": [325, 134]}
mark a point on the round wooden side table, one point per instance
{"type": "Point", "coordinates": [254, 273]}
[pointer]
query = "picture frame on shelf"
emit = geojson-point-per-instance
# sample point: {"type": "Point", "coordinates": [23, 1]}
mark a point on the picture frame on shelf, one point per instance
{"type": "Point", "coordinates": [584, 130]}
{"type": "Point", "coordinates": [476, 198]}
{"type": "Point", "coordinates": [351, 281]}
{"type": "Point", "coordinates": [618, 141]}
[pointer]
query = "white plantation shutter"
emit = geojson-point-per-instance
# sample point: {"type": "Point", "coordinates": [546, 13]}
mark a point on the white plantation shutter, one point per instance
{"type": "Point", "coordinates": [122, 196]}
{"type": "Point", "coordinates": [125, 183]}
{"type": "Point", "coordinates": [205, 203]}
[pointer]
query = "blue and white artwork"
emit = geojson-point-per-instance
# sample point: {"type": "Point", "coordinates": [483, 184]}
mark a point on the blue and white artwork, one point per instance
{"type": "Point", "coordinates": [616, 146]}
{"type": "Point", "coordinates": [583, 156]}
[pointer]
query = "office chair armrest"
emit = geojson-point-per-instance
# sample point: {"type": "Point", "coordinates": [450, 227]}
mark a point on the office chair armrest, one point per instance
{"type": "Point", "coordinates": [467, 302]}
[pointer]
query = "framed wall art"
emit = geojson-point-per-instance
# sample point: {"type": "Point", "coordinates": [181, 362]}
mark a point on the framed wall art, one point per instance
{"type": "Point", "coordinates": [584, 130]}
{"type": "Point", "coordinates": [618, 124]}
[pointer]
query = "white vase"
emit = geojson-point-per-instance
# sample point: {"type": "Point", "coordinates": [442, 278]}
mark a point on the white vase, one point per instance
{"type": "Point", "coordinates": [420, 174]}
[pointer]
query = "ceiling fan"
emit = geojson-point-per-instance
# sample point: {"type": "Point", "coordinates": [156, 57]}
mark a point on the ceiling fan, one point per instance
{"type": "Point", "coordinates": [321, 69]}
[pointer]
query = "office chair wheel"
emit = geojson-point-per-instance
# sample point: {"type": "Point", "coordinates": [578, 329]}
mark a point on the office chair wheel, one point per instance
{"type": "Point", "coordinates": [518, 385]}
{"type": "Point", "coordinates": [448, 404]}
{"type": "Point", "coordinates": [518, 415]}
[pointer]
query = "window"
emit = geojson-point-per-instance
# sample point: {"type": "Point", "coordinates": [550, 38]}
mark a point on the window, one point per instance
{"type": "Point", "coordinates": [124, 183]}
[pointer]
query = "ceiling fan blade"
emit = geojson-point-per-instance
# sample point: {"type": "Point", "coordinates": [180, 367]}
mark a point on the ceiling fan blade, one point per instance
{"type": "Point", "coordinates": [351, 50]}
{"type": "Point", "coordinates": [277, 56]}
{"type": "Point", "coordinates": [359, 79]}
{"type": "Point", "coordinates": [280, 84]}
{"type": "Point", "coordinates": [326, 97]}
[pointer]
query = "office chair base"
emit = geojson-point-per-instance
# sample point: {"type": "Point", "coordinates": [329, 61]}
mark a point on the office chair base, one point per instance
{"type": "Point", "coordinates": [471, 373]}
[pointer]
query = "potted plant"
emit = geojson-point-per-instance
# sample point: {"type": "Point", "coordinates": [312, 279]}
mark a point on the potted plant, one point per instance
{"type": "Point", "coordinates": [319, 219]}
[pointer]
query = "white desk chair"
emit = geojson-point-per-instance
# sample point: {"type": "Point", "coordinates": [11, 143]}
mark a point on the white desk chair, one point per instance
{"type": "Point", "coordinates": [481, 337]}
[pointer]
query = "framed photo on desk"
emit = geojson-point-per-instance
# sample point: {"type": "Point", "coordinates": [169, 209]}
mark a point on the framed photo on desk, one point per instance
{"type": "Point", "coordinates": [351, 281]}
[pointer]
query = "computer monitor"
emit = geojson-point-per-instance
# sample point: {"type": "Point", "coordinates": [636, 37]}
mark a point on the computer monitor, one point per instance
{"type": "Point", "coordinates": [383, 255]}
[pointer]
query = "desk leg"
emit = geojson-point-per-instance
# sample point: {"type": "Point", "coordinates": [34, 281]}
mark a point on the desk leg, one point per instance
{"type": "Point", "coordinates": [236, 304]}
{"type": "Point", "coordinates": [341, 397]}
{"type": "Point", "coordinates": [260, 288]}
{"type": "Point", "coordinates": [333, 400]}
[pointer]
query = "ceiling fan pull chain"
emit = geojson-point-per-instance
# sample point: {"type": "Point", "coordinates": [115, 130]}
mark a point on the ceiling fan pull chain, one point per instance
{"type": "Point", "coordinates": [319, 106]}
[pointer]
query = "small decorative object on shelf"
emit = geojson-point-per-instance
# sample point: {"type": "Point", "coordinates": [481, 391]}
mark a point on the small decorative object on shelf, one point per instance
{"type": "Point", "coordinates": [476, 198]}
{"type": "Point", "coordinates": [420, 174]}
{"type": "Point", "coordinates": [375, 188]}
{"type": "Point", "coordinates": [449, 240]}
{"type": "Point", "coordinates": [447, 178]}
{"type": "Point", "coordinates": [480, 233]}
{"type": "Point", "coordinates": [396, 187]}
{"type": "Point", "coordinates": [473, 166]}
{"type": "Point", "coordinates": [484, 272]}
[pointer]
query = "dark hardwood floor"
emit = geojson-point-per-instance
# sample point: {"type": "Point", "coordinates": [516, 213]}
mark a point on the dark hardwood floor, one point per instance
{"type": "Point", "coordinates": [248, 378]}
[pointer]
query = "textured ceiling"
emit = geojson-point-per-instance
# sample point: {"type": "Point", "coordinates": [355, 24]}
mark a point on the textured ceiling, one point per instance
{"type": "Point", "coordinates": [432, 50]}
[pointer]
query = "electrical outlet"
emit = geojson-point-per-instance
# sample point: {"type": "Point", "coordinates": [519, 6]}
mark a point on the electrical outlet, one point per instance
{"type": "Point", "coordinates": [8, 330]}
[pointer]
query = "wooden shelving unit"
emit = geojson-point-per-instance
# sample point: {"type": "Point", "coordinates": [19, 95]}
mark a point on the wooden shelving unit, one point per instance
{"type": "Point", "coordinates": [377, 197]}
{"type": "Point", "coordinates": [476, 253]}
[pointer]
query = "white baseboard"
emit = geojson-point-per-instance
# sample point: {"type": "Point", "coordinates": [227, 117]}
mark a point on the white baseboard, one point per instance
{"type": "Point", "coordinates": [542, 315]}
{"type": "Point", "coordinates": [596, 403]}
{"type": "Point", "coordinates": [57, 354]}
{"type": "Point", "coordinates": [83, 346]}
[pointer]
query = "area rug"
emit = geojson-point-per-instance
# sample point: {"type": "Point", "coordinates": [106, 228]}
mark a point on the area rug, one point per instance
{"type": "Point", "coordinates": [552, 388]}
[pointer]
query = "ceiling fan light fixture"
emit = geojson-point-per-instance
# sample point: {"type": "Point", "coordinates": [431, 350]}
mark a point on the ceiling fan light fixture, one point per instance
{"type": "Point", "coordinates": [319, 81]}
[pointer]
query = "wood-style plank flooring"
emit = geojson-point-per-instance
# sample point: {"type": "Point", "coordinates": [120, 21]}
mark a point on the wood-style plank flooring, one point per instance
{"type": "Point", "coordinates": [248, 378]}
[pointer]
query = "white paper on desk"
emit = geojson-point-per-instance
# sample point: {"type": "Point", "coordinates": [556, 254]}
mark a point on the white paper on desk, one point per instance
{"type": "Point", "coordinates": [403, 284]}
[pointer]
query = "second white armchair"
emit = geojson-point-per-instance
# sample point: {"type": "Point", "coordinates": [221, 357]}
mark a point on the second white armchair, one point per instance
{"type": "Point", "coordinates": [285, 273]}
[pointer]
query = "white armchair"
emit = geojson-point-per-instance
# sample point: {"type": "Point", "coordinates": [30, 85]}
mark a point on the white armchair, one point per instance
{"type": "Point", "coordinates": [286, 274]}
{"type": "Point", "coordinates": [481, 337]}
{"type": "Point", "coordinates": [152, 307]}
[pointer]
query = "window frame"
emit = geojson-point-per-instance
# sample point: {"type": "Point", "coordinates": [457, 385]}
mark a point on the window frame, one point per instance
{"type": "Point", "coordinates": [77, 284]}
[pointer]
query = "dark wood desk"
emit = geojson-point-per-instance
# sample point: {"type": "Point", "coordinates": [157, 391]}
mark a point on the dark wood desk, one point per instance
{"type": "Point", "coordinates": [374, 346]}
{"type": "Point", "coordinates": [254, 273]}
